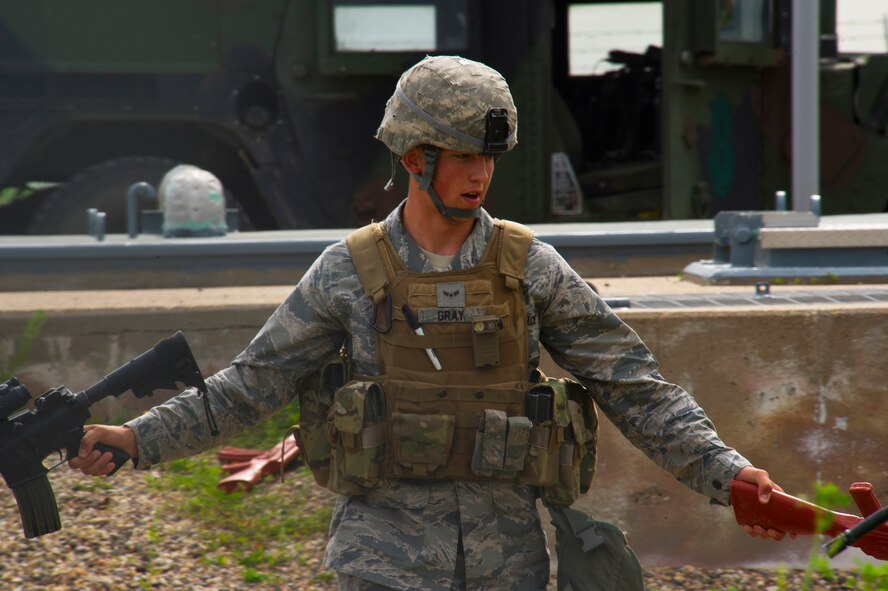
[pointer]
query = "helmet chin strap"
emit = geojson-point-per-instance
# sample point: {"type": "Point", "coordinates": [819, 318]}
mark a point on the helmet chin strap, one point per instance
{"type": "Point", "coordinates": [425, 183]}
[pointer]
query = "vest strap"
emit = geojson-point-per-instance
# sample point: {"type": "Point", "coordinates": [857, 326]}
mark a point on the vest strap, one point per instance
{"type": "Point", "coordinates": [367, 248]}
{"type": "Point", "coordinates": [513, 249]}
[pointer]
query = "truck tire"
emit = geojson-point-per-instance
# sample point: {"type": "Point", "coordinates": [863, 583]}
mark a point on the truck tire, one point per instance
{"type": "Point", "coordinates": [102, 186]}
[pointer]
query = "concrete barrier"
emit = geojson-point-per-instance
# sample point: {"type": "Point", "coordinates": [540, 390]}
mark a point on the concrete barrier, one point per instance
{"type": "Point", "coordinates": [798, 390]}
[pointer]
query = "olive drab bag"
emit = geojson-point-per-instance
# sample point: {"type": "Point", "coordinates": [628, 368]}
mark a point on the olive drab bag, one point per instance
{"type": "Point", "coordinates": [592, 555]}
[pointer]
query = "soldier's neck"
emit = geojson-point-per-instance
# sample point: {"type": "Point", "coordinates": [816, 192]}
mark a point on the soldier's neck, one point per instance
{"type": "Point", "coordinates": [431, 230]}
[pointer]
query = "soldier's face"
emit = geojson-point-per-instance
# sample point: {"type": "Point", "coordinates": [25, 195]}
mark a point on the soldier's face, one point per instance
{"type": "Point", "coordinates": [462, 179]}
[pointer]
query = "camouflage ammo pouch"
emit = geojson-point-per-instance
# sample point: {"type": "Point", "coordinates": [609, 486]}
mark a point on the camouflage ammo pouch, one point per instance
{"type": "Point", "coordinates": [352, 444]}
{"type": "Point", "coordinates": [501, 445]}
{"type": "Point", "coordinates": [355, 429]}
{"type": "Point", "coordinates": [341, 429]}
{"type": "Point", "coordinates": [434, 428]}
{"type": "Point", "coordinates": [315, 400]}
{"type": "Point", "coordinates": [563, 439]}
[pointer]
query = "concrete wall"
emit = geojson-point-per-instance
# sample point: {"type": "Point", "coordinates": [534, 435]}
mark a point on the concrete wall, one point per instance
{"type": "Point", "coordinates": [799, 391]}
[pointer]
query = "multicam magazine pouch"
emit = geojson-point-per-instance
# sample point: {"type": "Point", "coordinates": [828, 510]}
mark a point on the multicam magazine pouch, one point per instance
{"type": "Point", "coordinates": [315, 399]}
{"type": "Point", "coordinates": [356, 431]}
{"type": "Point", "coordinates": [500, 445]}
{"type": "Point", "coordinates": [421, 443]}
{"type": "Point", "coordinates": [342, 434]}
{"type": "Point", "coordinates": [563, 438]}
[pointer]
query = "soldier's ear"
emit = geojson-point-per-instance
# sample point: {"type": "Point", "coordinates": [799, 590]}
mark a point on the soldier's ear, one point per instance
{"type": "Point", "coordinates": [413, 160]}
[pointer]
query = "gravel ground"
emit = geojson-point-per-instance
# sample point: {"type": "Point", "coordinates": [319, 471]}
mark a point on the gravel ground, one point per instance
{"type": "Point", "coordinates": [122, 534]}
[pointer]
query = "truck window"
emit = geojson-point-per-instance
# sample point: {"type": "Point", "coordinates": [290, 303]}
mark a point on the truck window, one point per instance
{"type": "Point", "coordinates": [862, 27]}
{"type": "Point", "coordinates": [361, 37]}
{"type": "Point", "coordinates": [596, 29]}
{"type": "Point", "coordinates": [606, 111]}
{"type": "Point", "coordinates": [371, 25]}
{"type": "Point", "coordinates": [745, 20]}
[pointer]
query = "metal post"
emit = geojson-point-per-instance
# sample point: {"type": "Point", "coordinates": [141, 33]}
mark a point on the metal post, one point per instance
{"type": "Point", "coordinates": [101, 221]}
{"type": "Point", "coordinates": [885, 25]}
{"type": "Point", "coordinates": [815, 205]}
{"type": "Point", "coordinates": [91, 221]}
{"type": "Point", "coordinates": [780, 201]}
{"type": "Point", "coordinates": [134, 195]}
{"type": "Point", "coordinates": [805, 103]}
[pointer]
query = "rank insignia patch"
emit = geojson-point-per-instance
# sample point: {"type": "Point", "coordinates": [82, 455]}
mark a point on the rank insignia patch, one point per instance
{"type": "Point", "coordinates": [451, 295]}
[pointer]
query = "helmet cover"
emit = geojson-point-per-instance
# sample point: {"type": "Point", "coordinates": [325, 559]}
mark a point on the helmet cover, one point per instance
{"type": "Point", "coordinates": [450, 102]}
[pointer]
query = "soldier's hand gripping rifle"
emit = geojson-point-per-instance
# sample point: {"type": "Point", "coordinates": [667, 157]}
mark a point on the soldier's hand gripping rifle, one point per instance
{"type": "Point", "coordinates": [56, 423]}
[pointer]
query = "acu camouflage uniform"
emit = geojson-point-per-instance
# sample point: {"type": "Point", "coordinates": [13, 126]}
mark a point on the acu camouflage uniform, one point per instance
{"type": "Point", "coordinates": [405, 535]}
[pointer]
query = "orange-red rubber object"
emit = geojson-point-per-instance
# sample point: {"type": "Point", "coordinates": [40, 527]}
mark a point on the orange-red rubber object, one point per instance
{"type": "Point", "coordinates": [247, 466]}
{"type": "Point", "coordinates": [790, 514]}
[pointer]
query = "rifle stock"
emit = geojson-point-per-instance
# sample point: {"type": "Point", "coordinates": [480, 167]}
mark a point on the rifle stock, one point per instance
{"type": "Point", "coordinates": [56, 423]}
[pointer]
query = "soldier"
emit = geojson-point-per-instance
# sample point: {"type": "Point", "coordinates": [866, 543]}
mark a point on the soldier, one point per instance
{"type": "Point", "coordinates": [441, 311]}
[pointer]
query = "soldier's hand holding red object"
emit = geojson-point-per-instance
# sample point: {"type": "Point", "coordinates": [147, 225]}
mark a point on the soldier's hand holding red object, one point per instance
{"type": "Point", "coordinates": [765, 485]}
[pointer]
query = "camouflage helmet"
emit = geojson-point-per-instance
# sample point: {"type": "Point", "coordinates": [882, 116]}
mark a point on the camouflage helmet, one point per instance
{"type": "Point", "coordinates": [452, 103]}
{"type": "Point", "coordinates": [193, 202]}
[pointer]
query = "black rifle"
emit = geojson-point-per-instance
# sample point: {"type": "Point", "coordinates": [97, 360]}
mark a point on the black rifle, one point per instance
{"type": "Point", "coordinates": [838, 544]}
{"type": "Point", "coordinates": [56, 423]}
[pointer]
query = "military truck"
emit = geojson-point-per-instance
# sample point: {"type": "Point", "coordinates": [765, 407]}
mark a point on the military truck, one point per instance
{"type": "Point", "coordinates": [281, 98]}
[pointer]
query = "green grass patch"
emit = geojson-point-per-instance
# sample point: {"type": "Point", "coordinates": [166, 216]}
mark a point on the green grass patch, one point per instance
{"type": "Point", "coordinates": [93, 485]}
{"type": "Point", "coordinates": [23, 348]}
{"type": "Point", "coordinates": [259, 529]}
{"type": "Point", "coordinates": [271, 431]}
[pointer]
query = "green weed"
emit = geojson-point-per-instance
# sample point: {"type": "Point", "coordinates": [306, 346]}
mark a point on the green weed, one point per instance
{"type": "Point", "coordinates": [29, 335]}
{"type": "Point", "coordinates": [325, 577]}
{"type": "Point", "coordinates": [871, 577]}
{"type": "Point", "coordinates": [93, 485]}
{"type": "Point", "coordinates": [258, 530]}
{"type": "Point", "coordinates": [10, 195]}
{"type": "Point", "coordinates": [271, 431]}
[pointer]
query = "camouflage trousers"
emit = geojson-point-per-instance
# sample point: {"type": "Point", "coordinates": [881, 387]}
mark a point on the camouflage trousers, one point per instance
{"type": "Point", "coordinates": [407, 536]}
{"type": "Point", "coordinates": [351, 583]}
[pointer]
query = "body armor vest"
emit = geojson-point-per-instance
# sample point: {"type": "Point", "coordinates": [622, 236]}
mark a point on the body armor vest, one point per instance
{"type": "Point", "coordinates": [455, 398]}
{"type": "Point", "coordinates": [473, 322]}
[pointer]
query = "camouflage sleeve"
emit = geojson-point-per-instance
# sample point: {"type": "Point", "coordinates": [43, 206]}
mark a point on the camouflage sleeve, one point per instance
{"type": "Point", "coordinates": [304, 331]}
{"type": "Point", "coordinates": [588, 340]}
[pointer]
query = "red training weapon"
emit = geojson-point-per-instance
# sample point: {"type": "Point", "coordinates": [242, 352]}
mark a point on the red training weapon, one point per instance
{"type": "Point", "coordinates": [249, 466]}
{"type": "Point", "coordinates": [790, 514]}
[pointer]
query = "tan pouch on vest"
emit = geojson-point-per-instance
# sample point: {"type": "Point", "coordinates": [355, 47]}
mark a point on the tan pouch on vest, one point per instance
{"type": "Point", "coordinates": [315, 397]}
{"type": "Point", "coordinates": [356, 432]}
{"type": "Point", "coordinates": [566, 465]}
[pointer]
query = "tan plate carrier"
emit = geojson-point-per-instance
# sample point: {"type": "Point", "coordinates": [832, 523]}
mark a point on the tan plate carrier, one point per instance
{"type": "Point", "coordinates": [466, 421]}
